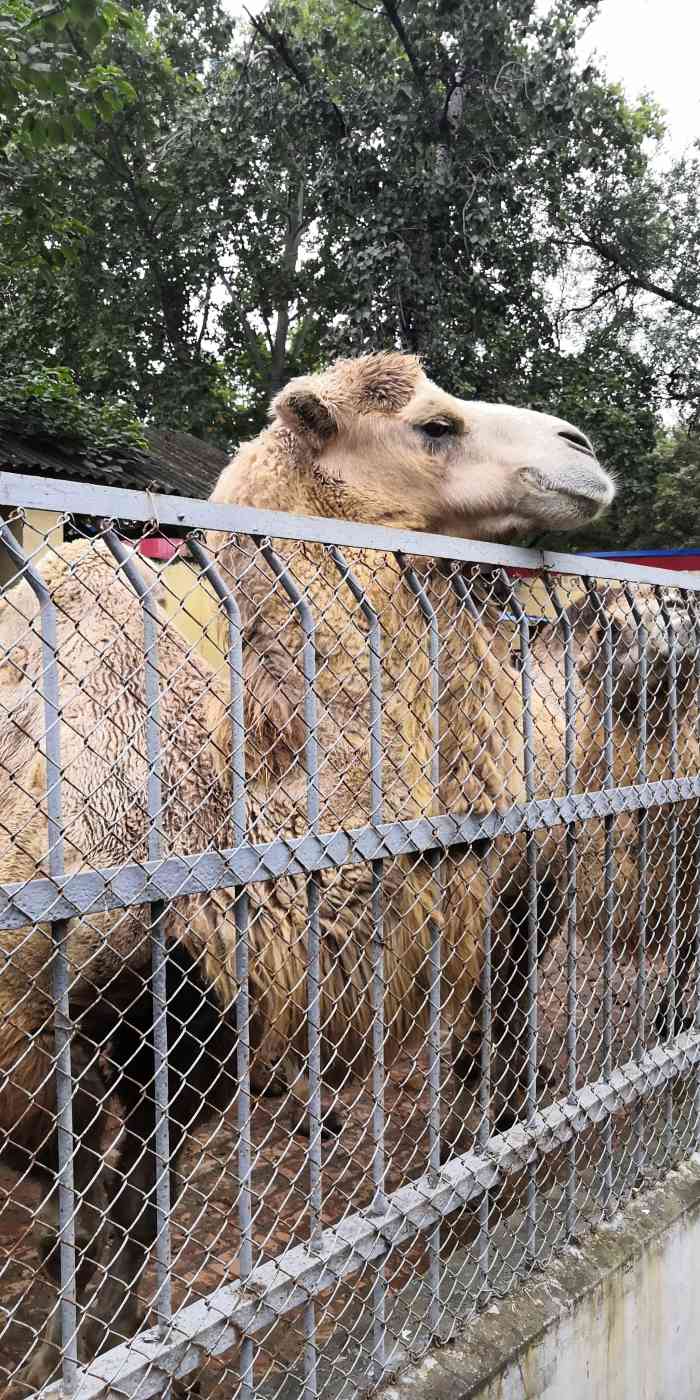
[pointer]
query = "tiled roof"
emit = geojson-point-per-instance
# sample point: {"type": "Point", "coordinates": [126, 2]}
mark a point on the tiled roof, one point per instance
{"type": "Point", "coordinates": [176, 465]}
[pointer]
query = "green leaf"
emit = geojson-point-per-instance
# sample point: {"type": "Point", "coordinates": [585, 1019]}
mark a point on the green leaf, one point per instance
{"type": "Point", "coordinates": [87, 118]}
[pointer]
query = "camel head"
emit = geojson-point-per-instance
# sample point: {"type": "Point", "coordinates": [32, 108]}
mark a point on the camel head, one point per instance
{"type": "Point", "coordinates": [372, 439]}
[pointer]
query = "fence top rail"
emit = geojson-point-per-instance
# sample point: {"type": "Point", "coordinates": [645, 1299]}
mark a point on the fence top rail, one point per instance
{"type": "Point", "coordinates": [18, 491]}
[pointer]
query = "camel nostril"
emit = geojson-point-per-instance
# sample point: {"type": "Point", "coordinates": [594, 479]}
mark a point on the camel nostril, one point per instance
{"type": "Point", "coordinates": [577, 440]}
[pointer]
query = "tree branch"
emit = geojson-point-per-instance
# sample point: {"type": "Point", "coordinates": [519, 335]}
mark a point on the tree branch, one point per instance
{"type": "Point", "coordinates": [251, 338]}
{"type": "Point", "coordinates": [391, 11]}
{"type": "Point", "coordinates": [635, 279]}
{"type": "Point", "coordinates": [278, 42]}
{"type": "Point", "coordinates": [605, 292]}
{"type": "Point", "coordinates": [205, 311]}
{"type": "Point", "coordinates": [295, 228]}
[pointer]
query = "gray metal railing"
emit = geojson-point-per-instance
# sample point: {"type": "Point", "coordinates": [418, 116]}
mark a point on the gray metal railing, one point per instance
{"type": "Point", "coordinates": [571, 862]}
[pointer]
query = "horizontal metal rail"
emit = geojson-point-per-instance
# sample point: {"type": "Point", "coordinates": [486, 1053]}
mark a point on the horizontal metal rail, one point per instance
{"type": "Point", "coordinates": [110, 502]}
{"type": "Point", "coordinates": [210, 1327]}
{"type": "Point", "coordinates": [96, 891]}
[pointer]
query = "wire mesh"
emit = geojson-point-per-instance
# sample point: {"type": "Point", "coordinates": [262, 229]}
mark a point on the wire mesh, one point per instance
{"type": "Point", "coordinates": [349, 920]}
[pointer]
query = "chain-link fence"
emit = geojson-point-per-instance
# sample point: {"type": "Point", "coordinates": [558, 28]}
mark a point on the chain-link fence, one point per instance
{"type": "Point", "coordinates": [348, 921]}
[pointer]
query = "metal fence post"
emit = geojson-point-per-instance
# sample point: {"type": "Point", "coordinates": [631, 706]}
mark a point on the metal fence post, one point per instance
{"type": "Point", "coordinates": [570, 782]}
{"type": "Point", "coordinates": [154, 797]}
{"type": "Point", "coordinates": [313, 974]}
{"type": "Point", "coordinates": [435, 1028]}
{"type": "Point", "coordinates": [61, 979]}
{"type": "Point", "coordinates": [532, 911]}
{"type": "Point", "coordinates": [241, 915]}
{"type": "Point", "coordinates": [377, 988]}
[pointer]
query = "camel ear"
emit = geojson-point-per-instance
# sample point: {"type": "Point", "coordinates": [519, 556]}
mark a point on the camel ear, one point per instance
{"type": "Point", "coordinates": [304, 411]}
{"type": "Point", "coordinates": [316, 406]}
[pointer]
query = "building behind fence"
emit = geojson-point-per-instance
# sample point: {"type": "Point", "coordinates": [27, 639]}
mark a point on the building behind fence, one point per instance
{"type": "Point", "coordinates": [349, 924]}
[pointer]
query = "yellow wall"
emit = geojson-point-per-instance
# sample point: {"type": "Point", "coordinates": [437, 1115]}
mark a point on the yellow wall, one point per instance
{"type": "Point", "coordinates": [41, 530]}
{"type": "Point", "coordinates": [192, 604]}
{"type": "Point", "coordinates": [35, 531]}
{"type": "Point", "coordinates": [534, 598]}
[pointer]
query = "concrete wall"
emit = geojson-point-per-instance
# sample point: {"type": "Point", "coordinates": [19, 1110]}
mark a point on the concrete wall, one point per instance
{"type": "Point", "coordinates": [617, 1318]}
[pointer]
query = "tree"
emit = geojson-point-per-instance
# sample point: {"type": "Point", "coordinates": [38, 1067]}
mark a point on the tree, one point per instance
{"type": "Point", "coordinates": [337, 175]}
{"type": "Point", "coordinates": [663, 509]}
{"type": "Point", "coordinates": [52, 82]}
{"type": "Point", "coordinates": [47, 404]}
{"type": "Point", "coordinates": [55, 85]}
{"type": "Point", "coordinates": [634, 244]}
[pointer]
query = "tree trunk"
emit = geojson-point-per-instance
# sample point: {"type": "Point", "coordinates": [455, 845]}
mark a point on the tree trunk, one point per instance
{"type": "Point", "coordinates": [290, 257]}
{"type": "Point", "coordinates": [450, 123]}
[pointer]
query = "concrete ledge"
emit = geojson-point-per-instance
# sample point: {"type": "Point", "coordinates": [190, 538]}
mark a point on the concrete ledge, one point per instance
{"type": "Point", "coordinates": [616, 1318]}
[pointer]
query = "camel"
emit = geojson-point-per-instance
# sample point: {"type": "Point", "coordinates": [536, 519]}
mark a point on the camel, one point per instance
{"type": "Point", "coordinates": [370, 440]}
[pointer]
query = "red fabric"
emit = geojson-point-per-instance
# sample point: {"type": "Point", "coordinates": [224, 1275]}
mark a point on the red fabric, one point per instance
{"type": "Point", "coordinates": [683, 563]}
{"type": "Point", "coordinates": [158, 547]}
{"type": "Point", "coordinates": [686, 563]}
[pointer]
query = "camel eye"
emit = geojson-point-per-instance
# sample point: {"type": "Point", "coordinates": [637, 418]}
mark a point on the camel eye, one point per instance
{"type": "Point", "coordinates": [437, 428]}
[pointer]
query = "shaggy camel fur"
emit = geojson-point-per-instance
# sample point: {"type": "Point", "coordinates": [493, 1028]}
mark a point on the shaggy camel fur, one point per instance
{"type": "Point", "coordinates": [636, 625]}
{"type": "Point", "coordinates": [370, 440]}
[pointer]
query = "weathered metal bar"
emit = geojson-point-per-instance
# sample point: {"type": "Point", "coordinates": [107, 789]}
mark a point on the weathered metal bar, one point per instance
{"type": "Point", "coordinates": [377, 988]}
{"type": "Point", "coordinates": [461, 588]}
{"type": "Point", "coordinates": [154, 801]}
{"type": "Point", "coordinates": [94, 891]}
{"type": "Point", "coordinates": [608, 876]}
{"type": "Point", "coordinates": [571, 838]}
{"type": "Point", "coordinates": [532, 909]}
{"type": "Point", "coordinates": [672, 924]}
{"type": "Point", "coordinates": [642, 853]}
{"type": "Point", "coordinates": [609, 900]}
{"type": "Point", "coordinates": [116, 503]}
{"type": "Point", "coordinates": [241, 915]}
{"type": "Point", "coordinates": [696, 941]}
{"type": "Point", "coordinates": [673, 825]}
{"type": "Point", "coordinates": [230, 606]}
{"type": "Point", "coordinates": [435, 955]}
{"type": "Point", "coordinates": [214, 1324]}
{"type": "Point", "coordinates": [462, 591]}
{"type": "Point", "coordinates": [313, 971]}
{"type": "Point", "coordinates": [245, 1148]}
{"type": "Point", "coordinates": [374, 645]}
{"type": "Point", "coordinates": [485, 1055]}
{"type": "Point", "coordinates": [61, 977]}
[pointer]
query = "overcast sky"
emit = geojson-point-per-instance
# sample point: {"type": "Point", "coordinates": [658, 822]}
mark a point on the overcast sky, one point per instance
{"type": "Point", "coordinates": [654, 46]}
